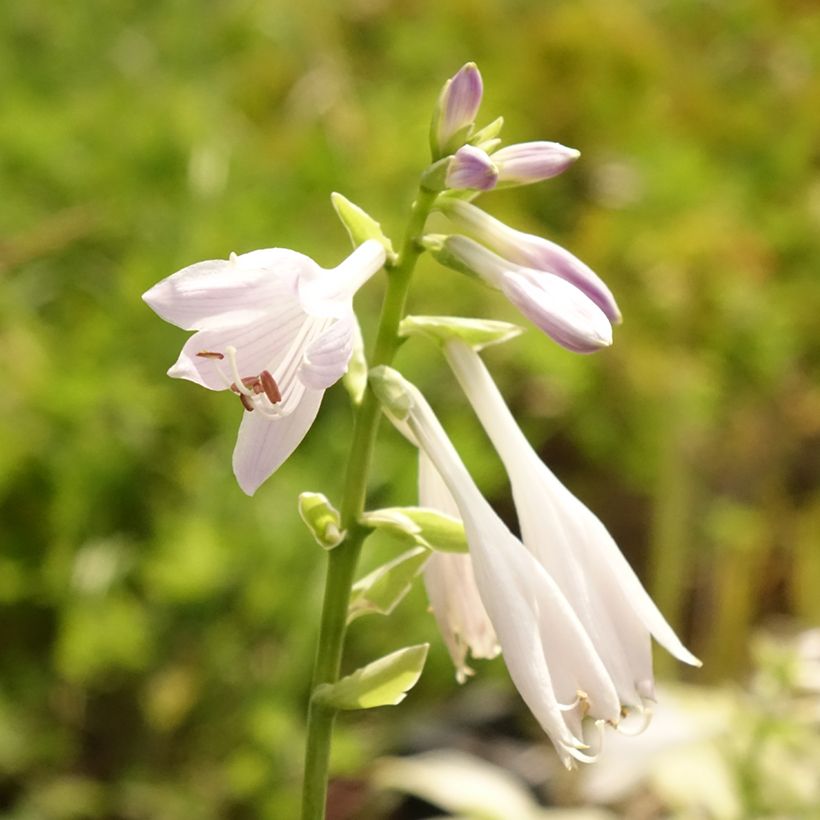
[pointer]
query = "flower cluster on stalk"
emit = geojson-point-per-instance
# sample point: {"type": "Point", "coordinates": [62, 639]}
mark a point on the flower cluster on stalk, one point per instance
{"type": "Point", "coordinates": [561, 603]}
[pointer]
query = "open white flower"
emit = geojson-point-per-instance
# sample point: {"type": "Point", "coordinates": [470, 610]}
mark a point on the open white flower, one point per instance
{"type": "Point", "coordinates": [273, 327]}
{"type": "Point", "coordinates": [451, 585]}
{"type": "Point", "coordinates": [572, 544]}
{"type": "Point", "coordinates": [549, 655]}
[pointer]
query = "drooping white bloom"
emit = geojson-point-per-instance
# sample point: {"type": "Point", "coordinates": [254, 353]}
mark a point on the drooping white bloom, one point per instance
{"type": "Point", "coordinates": [559, 308]}
{"type": "Point", "coordinates": [572, 544]}
{"type": "Point", "coordinates": [451, 585]}
{"type": "Point", "coordinates": [530, 251]}
{"type": "Point", "coordinates": [549, 655]}
{"type": "Point", "coordinates": [273, 327]}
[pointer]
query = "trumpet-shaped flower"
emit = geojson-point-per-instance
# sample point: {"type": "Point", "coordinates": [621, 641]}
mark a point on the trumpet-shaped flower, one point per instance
{"type": "Point", "coordinates": [548, 653]}
{"type": "Point", "coordinates": [451, 585]}
{"type": "Point", "coordinates": [572, 544]}
{"type": "Point", "coordinates": [274, 328]}
{"type": "Point", "coordinates": [528, 250]}
{"type": "Point", "coordinates": [559, 308]}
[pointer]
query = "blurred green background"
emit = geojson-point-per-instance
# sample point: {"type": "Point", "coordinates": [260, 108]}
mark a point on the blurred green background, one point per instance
{"type": "Point", "coordinates": [157, 627]}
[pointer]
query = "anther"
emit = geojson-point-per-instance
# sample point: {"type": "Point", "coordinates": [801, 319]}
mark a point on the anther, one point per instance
{"type": "Point", "coordinates": [246, 402]}
{"type": "Point", "coordinates": [270, 387]}
{"type": "Point", "coordinates": [210, 354]}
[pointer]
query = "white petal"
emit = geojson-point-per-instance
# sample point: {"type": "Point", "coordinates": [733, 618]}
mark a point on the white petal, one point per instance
{"type": "Point", "coordinates": [259, 339]}
{"type": "Point", "coordinates": [329, 293]}
{"type": "Point", "coordinates": [253, 282]}
{"type": "Point", "coordinates": [325, 360]}
{"type": "Point", "coordinates": [263, 444]}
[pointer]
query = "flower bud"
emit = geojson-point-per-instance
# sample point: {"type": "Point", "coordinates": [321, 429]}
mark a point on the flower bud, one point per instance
{"type": "Point", "coordinates": [471, 168]}
{"type": "Point", "coordinates": [455, 111]}
{"type": "Point", "coordinates": [528, 162]}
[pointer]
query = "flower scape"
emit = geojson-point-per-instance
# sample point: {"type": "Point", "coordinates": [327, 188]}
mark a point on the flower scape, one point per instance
{"type": "Point", "coordinates": [275, 330]}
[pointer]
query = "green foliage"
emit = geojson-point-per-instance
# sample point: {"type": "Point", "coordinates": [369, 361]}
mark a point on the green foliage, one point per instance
{"type": "Point", "coordinates": [156, 625]}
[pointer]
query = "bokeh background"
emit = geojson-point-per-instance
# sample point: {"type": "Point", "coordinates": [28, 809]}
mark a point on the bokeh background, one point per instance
{"type": "Point", "coordinates": [157, 627]}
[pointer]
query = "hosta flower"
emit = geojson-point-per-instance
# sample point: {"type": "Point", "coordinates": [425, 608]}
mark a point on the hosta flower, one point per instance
{"type": "Point", "coordinates": [275, 329]}
{"type": "Point", "coordinates": [548, 653]}
{"type": "Point", "coordinates": [528, 250]}
{"type": "Point", "coordinates": [573, 546]}
{"type": "Point", "coordinates": [527, 162]}
{"type": "Point", "coordinates": [559, 308]}
{"type": "Point", "coordinates": [471, 168]}
{"type": "Point", "coordinates": [451, 586]}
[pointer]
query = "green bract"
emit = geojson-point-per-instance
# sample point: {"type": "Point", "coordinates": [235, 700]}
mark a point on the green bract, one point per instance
{"type": "Point", "coordinates": [360, 225]}
{"type": "Point", "coordinates": [384, 682]}
{"type": "Point", "coordinates": [322, 519]}
{"type": "Point", "coordinates": [420, 526]}
{"type": "Point", "coordinates": [478, 333]}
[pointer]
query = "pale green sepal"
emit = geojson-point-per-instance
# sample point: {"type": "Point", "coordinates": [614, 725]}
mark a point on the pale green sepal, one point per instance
{"type": "Point", "coordinates": [384, 682]}
{"type": "Point", "coordinates": [322, 519]}
{"type": "Point", "coordinates": [360, 225]}
{"type": "Point", "coordinates": [478, 333]}
{"type": "Point", "coordinates": [381, 591]}
{"type": "Point", "coordinates": [489, 146]}
{"type": "Point", "coordinates": [355, 378]}
{"type": "Point", "coordinates": [438, 246]}
{"type": "Point", "coordinates": [389, 387]}
{"type": "Point", "coordinates": [487, 134]}
{"type": "Point", "coordinates": [421, 526]}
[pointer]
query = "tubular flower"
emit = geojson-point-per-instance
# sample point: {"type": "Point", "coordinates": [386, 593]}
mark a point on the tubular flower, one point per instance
{"type": "Point", "coordinates": [528, 250]}
{"type": "Point", "coordinates": [451, 586]}
{"type": "Point", "coordinates": [549, 655]}
{"type": "Point", "coordinates": [559, 308]}
{"type": "Point", "coordinates": [574, 547]}
{"type": "Point", "coordinates": [275, 329]}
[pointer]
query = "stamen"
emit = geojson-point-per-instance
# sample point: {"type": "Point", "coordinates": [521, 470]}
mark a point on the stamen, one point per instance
{"type": "Point", "coordinates": [646, 718]}
{"type": "Point", "coordinates": [210, 354]}
{"type": "Point", "coordinates": [238, 385]}
{"type": "Point", "coordinates": [246, 402]}
{"type": "Point", "coordinates": [269, 386]}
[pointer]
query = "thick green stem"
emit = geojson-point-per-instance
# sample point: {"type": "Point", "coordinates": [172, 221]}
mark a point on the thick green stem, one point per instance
{"type": "Point", "coordinates": [342, 560]}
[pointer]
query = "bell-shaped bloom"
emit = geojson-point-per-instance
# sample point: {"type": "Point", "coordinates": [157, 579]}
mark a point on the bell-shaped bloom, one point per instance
{"type": "Point", "coordinates": [549, 655]}
{"type": "Point", "coordinates": [527, 162]}
{"type": "Point", "coordinates": [274, 328]}
{"type": "Point", "coordinates": [451, 585]}
{"type": "Point", "coordinates": [573, 546]}
{"type": "Point", "coordinates": [560, 309]}
{"type": "Point", "coordinates": [530, 251]}
{"type": "Point", "coordinates": [456, 110]}
{"type": "Point", "coordinates": [471, 168]}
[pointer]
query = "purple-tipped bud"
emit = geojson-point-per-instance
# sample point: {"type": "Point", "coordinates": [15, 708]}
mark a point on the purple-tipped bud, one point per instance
{"type": "Point", "coordinates": [456, 110]}
{"type": "Point", "coordinates": [564, 312]}
{"type": "Point", "coordinates": [529, 162]}
{"type": "Point", "coordinates": [471, 168]}
{"type": "Point", "coordinates": [531, 252]}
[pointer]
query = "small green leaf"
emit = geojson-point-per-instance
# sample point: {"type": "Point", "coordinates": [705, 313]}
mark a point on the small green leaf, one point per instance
{"type": "Point", "coordinates": [384, 682]}
{"type": "Point", "coordinates": [487, 135]}
{"type": "Point", "coordinates": [421, 526]}
{"type": "Point", "coordinates": [355, 379]}
{"type": "Point", "coordinates": [360, 225]}
{"type": "Point", "coordinates": [478, 333]}
{"type": "Point", "coordinates": [322, 519]}
{"type": "Point", "coordinates": [380, 592]}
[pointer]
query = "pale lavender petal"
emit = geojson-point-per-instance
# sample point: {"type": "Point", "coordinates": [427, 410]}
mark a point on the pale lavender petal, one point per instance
{"type": "Point", "coordinates": [197, 296]}
{"type": "Point", "coordinates": [264, 444]}
{"type": "Point", "coordinates": [532, 162]}
{"type": "Point", "coordinates": [561, 310]}
{"type": "Point", "coordinates": [458, 104]}
{"type": "Point", "coordinates": [471, 168]}
{"type": "Point", "coordinates": [259, 339]}
{"type": "Point", "coordinates": [325, 360]}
